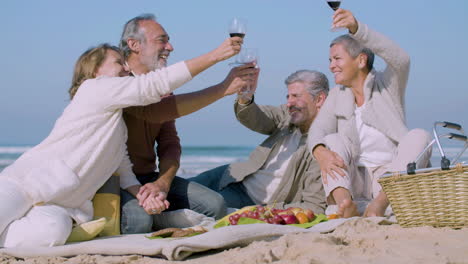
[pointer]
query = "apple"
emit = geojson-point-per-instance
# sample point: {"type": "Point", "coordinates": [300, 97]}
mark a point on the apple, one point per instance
{"type": "Point", "coordinates": [278, 219]}
{"type": "Point", "coordinates": [284, 212]}
{"type": "Point", "coordinates": [289, 219]}
{"type": "Point", "coordinates": [310, 214]}
{"type": "Point", "coordinates": [302, 218]}
{"type": "Point", "coordinates": [295, 210]}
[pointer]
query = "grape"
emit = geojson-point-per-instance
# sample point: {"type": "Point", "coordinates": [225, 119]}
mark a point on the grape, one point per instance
{"type": "Point", "coordinates": [277, 219]}
{"type": "Point", "coordinates": [244, 214]}
{"type": "Point", "coordinates": [261, 209]}
{"type": "Point", "coordinates": [255, 215]}
{"type": "Point", "coordinates": [236, 217]}
{"type": "Point", "coordinates": [233, 222]}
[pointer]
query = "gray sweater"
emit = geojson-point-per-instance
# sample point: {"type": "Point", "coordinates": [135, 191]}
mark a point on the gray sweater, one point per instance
{"type": "Point", "coordinates": [384, 94]}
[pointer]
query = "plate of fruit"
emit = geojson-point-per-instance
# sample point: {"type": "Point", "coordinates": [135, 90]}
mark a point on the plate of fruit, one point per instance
{"type": "Point", "coordinates": [294, 216]}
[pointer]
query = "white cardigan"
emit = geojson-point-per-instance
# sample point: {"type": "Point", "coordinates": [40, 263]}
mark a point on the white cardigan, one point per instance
{"type": "Point", "coordinates": [88, 142]}
{"type": "Point", "coordinates": [384, 94]}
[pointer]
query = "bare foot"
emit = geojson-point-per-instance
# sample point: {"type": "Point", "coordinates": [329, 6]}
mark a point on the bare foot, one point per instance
{"type": "Point", "coordinates": [347, 209]}
{"type": "Point", "coordinates": [376, 208]}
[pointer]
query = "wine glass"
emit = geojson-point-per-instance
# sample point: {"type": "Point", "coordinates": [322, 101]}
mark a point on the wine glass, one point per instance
{"type": "Point", "coordinates": [237, 28]}
{"type": "Point", "coordinates": [245, 56]}
{"type": "Point", "coordinates": [334, 4]}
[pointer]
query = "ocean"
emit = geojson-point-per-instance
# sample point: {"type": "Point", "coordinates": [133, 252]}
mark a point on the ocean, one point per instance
{"type": "Point", "coordinates": [194, 160]}
{"type": "Point", "coordinates": [197, 159]}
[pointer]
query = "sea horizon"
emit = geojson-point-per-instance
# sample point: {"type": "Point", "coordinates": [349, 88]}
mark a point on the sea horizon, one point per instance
{"type": "Point", "coordinates": [196, 159]}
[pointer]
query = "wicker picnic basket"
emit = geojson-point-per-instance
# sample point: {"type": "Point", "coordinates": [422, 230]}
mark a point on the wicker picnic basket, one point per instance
{"type": "Point", "coordinates": [435, 197]}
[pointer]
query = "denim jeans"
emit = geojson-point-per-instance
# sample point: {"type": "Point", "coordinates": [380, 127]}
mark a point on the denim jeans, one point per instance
{"type": "Point", "coordinates": [183, 194]}
{"type": "Point", "coordinates": [235, 195]}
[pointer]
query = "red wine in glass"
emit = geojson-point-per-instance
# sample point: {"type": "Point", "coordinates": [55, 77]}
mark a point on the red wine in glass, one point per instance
{"type": "Point", "coordinates": [237, 35]}
{"type": "Point", "coordinates": [334, 4]}
{"type": "Point", "coordinates": [237, 28]}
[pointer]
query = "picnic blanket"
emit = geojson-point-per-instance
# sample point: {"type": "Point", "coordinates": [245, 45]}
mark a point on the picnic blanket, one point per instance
{"type": "Point", "coordinates": [178, 248]}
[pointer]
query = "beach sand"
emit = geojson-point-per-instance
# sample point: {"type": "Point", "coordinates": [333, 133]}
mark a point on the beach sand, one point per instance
{"type": "Point", "coordinates": [356, 241]}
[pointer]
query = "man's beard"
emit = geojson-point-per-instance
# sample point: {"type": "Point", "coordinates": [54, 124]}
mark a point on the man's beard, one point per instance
{"type": "Point", "coordinates": [297, 117]}
{"type": "Point", "coordinates": [158, 64]}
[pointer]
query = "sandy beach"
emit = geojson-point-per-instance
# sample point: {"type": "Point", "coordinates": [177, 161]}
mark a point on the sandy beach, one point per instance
{"type": "Point", "coordinates": [356, 241]}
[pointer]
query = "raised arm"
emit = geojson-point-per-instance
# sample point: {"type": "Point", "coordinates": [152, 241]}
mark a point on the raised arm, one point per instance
{"type": "Point", "coordinates": [121, 92]}
{"type": "Point", "coordinates": [228, 48]}
{"type": "Point", "coordinates": [173, 107]}
{"type": "Point", "coordinates": [398, 61]}
{"type": "Point", "coordinates": [264, 119]}
{"type": "Point", "coordinates": [160, 112]}
{"type": "Point", "coordinates": [191, 102]}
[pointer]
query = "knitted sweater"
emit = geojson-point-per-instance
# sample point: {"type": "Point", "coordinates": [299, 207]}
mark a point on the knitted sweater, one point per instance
{"type": "Point", "coordinates": [87, 144]}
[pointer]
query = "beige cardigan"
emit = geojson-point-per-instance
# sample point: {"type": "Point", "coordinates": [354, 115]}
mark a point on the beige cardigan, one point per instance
{"type": "Point", "coordinates": [384, 97]}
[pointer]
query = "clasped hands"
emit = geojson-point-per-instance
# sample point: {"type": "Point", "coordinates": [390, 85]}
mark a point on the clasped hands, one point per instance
{"type": "Point", "coordinates": [152, 198]}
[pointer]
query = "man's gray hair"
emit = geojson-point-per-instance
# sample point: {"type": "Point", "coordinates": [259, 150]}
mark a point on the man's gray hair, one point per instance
{"type": "Point", "coordinates": [354, 48]}
{"type": "Point", "coordinates": [132, 30]}
{"type": "Point", "coordinates": [315, 81]}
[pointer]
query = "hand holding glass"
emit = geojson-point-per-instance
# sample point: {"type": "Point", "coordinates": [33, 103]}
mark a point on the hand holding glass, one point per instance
{"type": "Point", "coordinates": [245, 56]}
{"type": "Point", "coordinates": [334, 4]}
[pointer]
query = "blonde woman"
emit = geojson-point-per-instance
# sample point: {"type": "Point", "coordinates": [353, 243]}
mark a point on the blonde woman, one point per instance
{"type": "Point", "coordinates": [52, 184]}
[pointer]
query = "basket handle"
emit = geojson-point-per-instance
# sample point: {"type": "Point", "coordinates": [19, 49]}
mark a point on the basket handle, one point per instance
{"type": "Point", "coordinates": [451, 125]}
{"type": "Point", "coordinates": [444, 163]}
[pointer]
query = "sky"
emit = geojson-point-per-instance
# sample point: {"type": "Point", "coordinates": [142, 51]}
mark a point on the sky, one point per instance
{"type": "Point", "coordinates": [43, 39]}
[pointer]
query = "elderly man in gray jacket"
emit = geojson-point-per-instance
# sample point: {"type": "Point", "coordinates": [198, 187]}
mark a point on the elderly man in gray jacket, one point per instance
{"type": "Point", "coordinates": [281, 171]}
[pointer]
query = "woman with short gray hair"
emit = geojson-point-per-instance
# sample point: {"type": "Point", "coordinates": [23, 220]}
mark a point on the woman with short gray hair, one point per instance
{"type": "Point", "coordinates": [361, 131]}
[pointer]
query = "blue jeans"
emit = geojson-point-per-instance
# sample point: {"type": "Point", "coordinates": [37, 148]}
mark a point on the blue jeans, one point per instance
{"type": "Point", "coordinates": [182, 194]}
{"type": "Point", "coordinates": [235, 195]}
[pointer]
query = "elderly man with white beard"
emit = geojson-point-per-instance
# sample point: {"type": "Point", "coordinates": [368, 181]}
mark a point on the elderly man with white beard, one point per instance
{"type": "Point", "coordinates": [145, 46]}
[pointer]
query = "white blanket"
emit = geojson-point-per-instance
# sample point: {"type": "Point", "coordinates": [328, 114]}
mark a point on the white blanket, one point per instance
{"type": "Point", "coordinates": [176, 249]}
